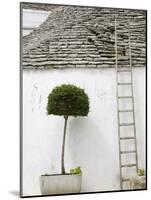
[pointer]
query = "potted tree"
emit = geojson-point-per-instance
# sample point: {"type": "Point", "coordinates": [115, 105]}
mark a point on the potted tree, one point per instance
{"type": "Point", "coordinates": [65, 100]}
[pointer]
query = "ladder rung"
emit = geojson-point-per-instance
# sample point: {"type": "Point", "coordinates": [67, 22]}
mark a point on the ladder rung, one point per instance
{"type": "Point", "coordinates": [124, 83]}
{"type": "Point", "coordinates": [128, 165]}
{"type": "Point", "coordinates": [123, 70]}
{"type": "Point", "coordinates": [125, 60]}
{"type": "Point", "coordinates": [123, 152]}
{"type": "Point", "coordinates": [126, 124]}
{"type": "Point", "coordinates": [127, 138]}
{"type": "Point", "coordinates": [124, 97]}
{"type": "Point", "coordinates": [125, 110]}
{"type": "Point", "coordinates": [125, 179]}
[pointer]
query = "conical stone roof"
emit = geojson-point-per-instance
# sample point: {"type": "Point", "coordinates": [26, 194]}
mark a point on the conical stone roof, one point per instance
{"type": "Point", "coordinates": [85, 37]}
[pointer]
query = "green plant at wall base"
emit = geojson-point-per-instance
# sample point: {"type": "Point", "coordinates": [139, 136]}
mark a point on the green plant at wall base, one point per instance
{"type": "Point", "coordinates": [67, 100]}
{"type": "Point", "coordinates": [141, 172]}
{"type": "Point", "coordinates": [76, 170]}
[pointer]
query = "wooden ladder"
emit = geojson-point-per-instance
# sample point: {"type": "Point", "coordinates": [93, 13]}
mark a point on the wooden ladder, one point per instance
{"type": "Point", "coordinates": [125, 70]}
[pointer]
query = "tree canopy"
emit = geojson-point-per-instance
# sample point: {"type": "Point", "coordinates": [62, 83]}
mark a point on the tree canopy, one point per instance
{"type": "Point", "coordinates": [68, 100]}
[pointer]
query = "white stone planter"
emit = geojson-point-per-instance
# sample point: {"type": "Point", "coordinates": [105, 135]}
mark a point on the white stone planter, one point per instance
{"type": "Point", "coordinates": [60, 184]}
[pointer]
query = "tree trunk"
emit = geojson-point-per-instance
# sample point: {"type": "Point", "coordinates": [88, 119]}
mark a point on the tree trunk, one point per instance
{"type": "Point", "coordinates": [63, 146]}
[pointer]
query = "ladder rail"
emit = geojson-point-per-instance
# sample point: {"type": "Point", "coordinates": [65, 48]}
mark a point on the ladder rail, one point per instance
{"type": "Point", "coordinates": [118, 115]}
{"type": "Point", "coordinates": [130, 60]}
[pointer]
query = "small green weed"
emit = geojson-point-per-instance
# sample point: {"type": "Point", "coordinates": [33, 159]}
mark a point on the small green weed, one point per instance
{"type": "Point", "coordinates": [141, 172]}
{"type": "Point", "coordinates": [76, 170]}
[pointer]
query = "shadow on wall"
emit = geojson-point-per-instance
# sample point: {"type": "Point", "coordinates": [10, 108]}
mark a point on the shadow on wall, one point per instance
{"type": "Point", "coordinates": [89, 149]}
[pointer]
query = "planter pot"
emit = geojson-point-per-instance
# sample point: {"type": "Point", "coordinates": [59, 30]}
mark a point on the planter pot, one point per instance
{"type": "Point", "coordinates": [138, 182]}
{"type": "Point", "coordinates": [60, 184]}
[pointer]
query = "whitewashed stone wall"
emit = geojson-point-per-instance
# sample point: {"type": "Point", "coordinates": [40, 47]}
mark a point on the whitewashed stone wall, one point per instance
{"type": "Point", "coordinates": [92, 142]}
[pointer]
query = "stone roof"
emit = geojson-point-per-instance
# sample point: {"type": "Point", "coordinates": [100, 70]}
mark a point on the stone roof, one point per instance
{"type": "Point", "coordinates": [75, 36]}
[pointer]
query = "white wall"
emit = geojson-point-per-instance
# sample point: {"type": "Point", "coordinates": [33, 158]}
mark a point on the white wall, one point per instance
{"type": "Point", "coordinates": [92, 142]}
